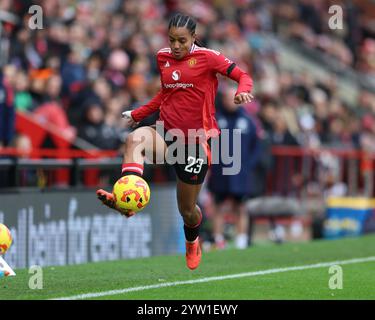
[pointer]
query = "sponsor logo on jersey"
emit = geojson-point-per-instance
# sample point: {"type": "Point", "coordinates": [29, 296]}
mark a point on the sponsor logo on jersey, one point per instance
{"type": "Point", "coordinates": [167, 64]}
{"type": "Point", "coordinates": [176, 75]}
{"type": "Point", "coordinates": [178, 85]}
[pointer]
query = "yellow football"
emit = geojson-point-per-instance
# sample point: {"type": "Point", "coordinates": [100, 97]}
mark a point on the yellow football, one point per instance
{"type": "Point", "coordinates": [5, 239]}
{"type": "Point", "coordinates": [131, 192]}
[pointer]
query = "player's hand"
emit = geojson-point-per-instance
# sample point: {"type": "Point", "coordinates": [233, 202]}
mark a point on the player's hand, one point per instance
{"type": "Point", "coordinates": [243, 97]}
{"type": "Point", "coordinates": [127, 115]}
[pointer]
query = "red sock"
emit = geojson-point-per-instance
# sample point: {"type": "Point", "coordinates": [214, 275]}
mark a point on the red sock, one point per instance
{"type": "Point", "coordinates": [132, 168]}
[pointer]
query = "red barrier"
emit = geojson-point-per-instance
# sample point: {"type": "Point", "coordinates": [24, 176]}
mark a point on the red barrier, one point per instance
{"type": "Point", "coordinates": [39, 132]}
{"type": "Point", "coordinates": [58, 153]}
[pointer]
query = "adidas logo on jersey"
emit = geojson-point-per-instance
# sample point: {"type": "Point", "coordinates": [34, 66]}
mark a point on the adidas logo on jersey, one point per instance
{"type": "Point", "coordinates": [167, 64]}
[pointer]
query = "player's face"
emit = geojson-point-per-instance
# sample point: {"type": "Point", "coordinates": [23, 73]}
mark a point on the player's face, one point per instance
{"type": "Point", "coordinates": [180, 41]}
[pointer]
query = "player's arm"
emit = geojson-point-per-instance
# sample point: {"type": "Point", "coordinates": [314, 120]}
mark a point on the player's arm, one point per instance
{"type": "Point", "coordinates": [149, 108]}
{"type": "Point", "coordinates": [245, 84]}
{"type": "Point", "coordinates": [145, 110]}
{"type": "Point", "coordinates": [228, 68]}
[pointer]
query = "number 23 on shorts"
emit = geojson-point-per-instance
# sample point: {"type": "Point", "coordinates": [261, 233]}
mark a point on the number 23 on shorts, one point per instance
{"type": "Point", "coordinates": [194, 165]}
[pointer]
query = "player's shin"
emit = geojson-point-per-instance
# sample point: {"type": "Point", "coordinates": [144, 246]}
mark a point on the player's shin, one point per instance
{"type": "Point", "coordinates": [192, 231]}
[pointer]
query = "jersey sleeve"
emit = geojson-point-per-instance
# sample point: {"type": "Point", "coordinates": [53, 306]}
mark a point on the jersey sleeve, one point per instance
{"type": "Point", "coordinates": [221, 64]}
{"type": "Point", "coordinates": [218, 62]}
{"type": "Point", "coordinates": [149, 108]}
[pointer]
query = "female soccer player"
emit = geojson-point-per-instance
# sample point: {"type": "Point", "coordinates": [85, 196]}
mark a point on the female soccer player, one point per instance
{"type": "Point", "coordinates": [186, 101]}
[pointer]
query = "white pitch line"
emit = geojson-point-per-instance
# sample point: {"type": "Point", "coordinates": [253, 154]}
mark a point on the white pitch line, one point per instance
{"type": "Point", "coordinates": [219, 278]}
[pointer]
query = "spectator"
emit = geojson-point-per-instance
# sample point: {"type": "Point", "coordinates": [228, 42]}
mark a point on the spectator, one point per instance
{"type": "Point", "coordinates": [327, 183]}
{"type": "Point", "coordinates": [231, 191]}
{"type": "Point", "coordinates": [7, 112]}
{"type": "Point", "coordinates": [94, 129]}
{"type": "Point", "coordinates": [22, 99]}
{"type": "Point", "coordinates": [280, 134]}
{"type": "Point", "coordinates": [51, 112]}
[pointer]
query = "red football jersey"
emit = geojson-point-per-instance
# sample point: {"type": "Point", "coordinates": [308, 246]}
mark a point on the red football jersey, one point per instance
{"type": "Point", "coordinates": [188, 89]}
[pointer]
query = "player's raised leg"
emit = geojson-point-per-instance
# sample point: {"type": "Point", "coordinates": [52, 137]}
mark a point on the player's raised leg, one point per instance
{"type": "Point", "coordinates": [142, 142]}
{"type": "Point", "coordinates": [187, 196]}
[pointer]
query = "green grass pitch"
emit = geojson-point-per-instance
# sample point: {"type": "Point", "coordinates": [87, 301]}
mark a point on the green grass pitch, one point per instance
{"type": "Point", "coordinates": [306, 283]}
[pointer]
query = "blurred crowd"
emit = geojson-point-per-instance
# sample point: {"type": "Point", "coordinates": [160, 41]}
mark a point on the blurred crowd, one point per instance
{"type": "Point", "coordinates": [94, 59]}
{"type": "Point", "coordinates": [350, 41]}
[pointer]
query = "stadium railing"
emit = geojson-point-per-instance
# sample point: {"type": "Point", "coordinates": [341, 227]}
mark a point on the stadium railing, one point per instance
{"type": "Point", "coordinates": [294, 171]}
{"type": "Point", "coordinates": [81, 167]}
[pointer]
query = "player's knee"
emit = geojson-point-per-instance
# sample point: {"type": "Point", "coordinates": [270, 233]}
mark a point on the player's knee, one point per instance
{"type": "Point", "coordinates": [187, 211]}
{"type": "Point", "coordinates": [135, 138]}
{"type": "Point", "coordinates": [129, 141]}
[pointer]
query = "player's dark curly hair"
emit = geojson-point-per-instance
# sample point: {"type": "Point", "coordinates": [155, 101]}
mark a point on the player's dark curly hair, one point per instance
{"type": "Point", "coordinates": [184, 21]}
